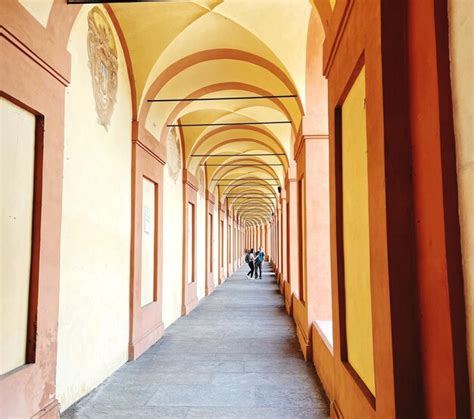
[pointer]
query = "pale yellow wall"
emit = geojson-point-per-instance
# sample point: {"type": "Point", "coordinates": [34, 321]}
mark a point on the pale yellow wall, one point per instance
{"type": "Point", "coordinates": [201, 245]}
{"type": "Point", "coordinates": [148, 242]}
{"type": "Point", "coordinates": [356, 234]}
{"type": "Point", "coordinates": [461, 31]}
{"type": "Point", "coordinates": [17, 147]}
{"type": "Point", "coordinates": [39, 9]}
{"type": "Point", "coordinates": [172, 247]}
{"type": "Point", "coordinates": [95, 238]}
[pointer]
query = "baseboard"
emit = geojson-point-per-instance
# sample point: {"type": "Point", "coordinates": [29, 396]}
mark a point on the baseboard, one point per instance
{"type": "Point", "coordinates": [188, 307]}
{"type": "Point", "coordinates": [209, 286]}
{"type": "Point", "coordinates": [137, 348]}
{"type": "Point", "coordinates": [51, 411]}
{"type": "Point", "coordinates": [305, 344]}
{"type": "Point", "coordinates": [335, 412]}
{"type": "Point", "coordinates": [288, 299]}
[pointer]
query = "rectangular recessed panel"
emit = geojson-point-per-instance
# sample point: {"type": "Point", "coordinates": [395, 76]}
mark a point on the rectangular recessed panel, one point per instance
{"type": "Point", "coordinates": [17, 129]}
{"type": "Point", "coordinates": [358, 304]}
{"type": "Point", "coordinates": [190, 243]}
{"type": "Point", "coordinates": [301, 238]}
{"type": "Point", "coordinates": [148, 242]}
{"type": "Point", "coordinates": [221, 247]}
{"type": "Point", "coordinates": [210, 241]}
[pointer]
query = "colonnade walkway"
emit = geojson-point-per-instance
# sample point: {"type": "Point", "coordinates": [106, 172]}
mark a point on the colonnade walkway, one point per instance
{"type": "Point", "coordinates": [235, 356]}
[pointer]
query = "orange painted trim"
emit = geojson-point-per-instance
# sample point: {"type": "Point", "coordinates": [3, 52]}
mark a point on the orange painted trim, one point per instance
{"type": "Point", "coordinates": [39, 43]}
{"type": "Point", "coordinates": [210, 55]}
{"type": "Point", "coordinates": [31, 389]}
{"type": "Point", "coordinates": [146, 324]}
{"type": "Point", "coordinates": [181, 106]}
{"type": "Point", "coordinates": [282, 159]}
{"type": "Point", "coordinates": [189, 300]}
{"type": "Point", "coordinates": [340, 17]}
{"type": "Point", "coordinates": [128, 60]}
{"type": "Point", "coordinates": [209, 273]}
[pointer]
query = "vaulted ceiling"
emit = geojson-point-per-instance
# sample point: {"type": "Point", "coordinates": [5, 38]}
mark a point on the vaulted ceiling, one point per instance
{"type": "Point", "coordinates": [213, 49]}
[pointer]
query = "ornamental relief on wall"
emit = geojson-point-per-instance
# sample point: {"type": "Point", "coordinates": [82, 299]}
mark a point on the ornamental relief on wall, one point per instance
{"type": "Point", "coordinates": [103, 64]}
{"type": "Point", "coordinates": [173, 154]}
{"type": "Point", "coordinates": [201, 182]}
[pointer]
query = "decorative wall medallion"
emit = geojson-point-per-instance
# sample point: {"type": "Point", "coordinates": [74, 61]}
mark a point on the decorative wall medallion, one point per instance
{"type": "Point", "coordinates": [173, 155]}
{"type": "Point", "coordinates": [201, 182]}
{"type": "Point", "coordinates": [103, 64]}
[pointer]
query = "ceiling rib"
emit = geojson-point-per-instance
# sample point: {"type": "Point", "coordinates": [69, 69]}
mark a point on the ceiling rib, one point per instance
{"type": "Point", "coordinates": [208, 99]}
{"type": "Point", "coordinates": [227, 124]}
{"type": "Point", "coordinates": [238, 155]}
{"type": "Point", "coordinates": [240, 165]}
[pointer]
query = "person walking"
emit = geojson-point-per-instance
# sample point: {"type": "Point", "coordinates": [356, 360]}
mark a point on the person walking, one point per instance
{"type": "Point", "coordinates": [259, 263]}
{"type": "Point", "coordinates": [250, 258]}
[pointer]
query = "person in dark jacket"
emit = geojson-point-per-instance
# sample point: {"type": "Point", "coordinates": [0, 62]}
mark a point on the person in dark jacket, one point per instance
{"type": "Point", "coordinates": [250, 258]}
{"type": "Point", "coordinates": [259, 257]}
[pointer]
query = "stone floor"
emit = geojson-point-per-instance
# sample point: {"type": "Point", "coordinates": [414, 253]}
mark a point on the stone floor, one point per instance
{"type": "Point", "coordinates": [234, 356]}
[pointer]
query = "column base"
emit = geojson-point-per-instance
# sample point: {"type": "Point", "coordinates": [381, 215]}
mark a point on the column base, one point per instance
{"type": "Point", "coordinates": [137, 348]}
{"type": "Point", "coordinates": [188, 307]}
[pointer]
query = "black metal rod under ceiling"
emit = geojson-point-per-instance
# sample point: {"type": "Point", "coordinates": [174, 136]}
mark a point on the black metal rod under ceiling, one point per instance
{"type": "Point", "coordinates": [245, 179]}
{"type": "Point", "coordinates": [251, 197]}
{"type": "Point", "coordinates": [208, 99]}
{"type": "Point", "coordinates": [238, 155]}
{"type": "Point", "coordinates": [238, 183]}
{"type": "Point", "coordinates": [225, 124]}
{"type": "Point", "coordinates": [240, 165]}
{"type": "Point", "coordinates": [230, 185]}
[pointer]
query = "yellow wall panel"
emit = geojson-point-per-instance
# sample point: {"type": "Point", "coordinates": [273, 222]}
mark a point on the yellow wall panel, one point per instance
{"type": "Point", "coordinates": [356, 234]}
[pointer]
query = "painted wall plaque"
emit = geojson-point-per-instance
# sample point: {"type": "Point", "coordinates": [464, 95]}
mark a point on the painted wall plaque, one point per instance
{"type": "Point", "coordinates": [173, 155]}
{"type": "Point", "coordinates": [103, 64]}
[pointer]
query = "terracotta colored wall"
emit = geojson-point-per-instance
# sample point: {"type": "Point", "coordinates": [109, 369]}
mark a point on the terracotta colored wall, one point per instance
{"type": "Point", "coordinates": [461, 37]}
{"type": "Point", "coordinates": [39, 9]}
{"type": "Point", "coordinates": [95, 235]}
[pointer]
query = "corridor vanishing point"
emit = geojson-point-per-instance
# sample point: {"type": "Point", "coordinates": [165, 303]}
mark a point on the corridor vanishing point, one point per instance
{"type": "Point", "coordinates": [147, 146]}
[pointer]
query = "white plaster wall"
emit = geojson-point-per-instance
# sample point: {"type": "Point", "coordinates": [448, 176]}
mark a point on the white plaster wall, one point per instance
{"type": "Point", "coordinates": [201, 245]}
{"type": "Point", "coordinates": [39, 9]}
{"type": "Point", "coordinates": [148, 242]}
{"type": "Point", "coordinates": [17, 160]}
{"type": "Point", "coordinates": [172, 247]}
{"type": "Point", "coordinates": [461, 29]}
{"type": "Point", "coordinates": [93, 328]}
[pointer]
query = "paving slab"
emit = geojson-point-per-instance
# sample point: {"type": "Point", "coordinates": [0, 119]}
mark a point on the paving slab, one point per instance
{"type": "Point", "coordinates": [235, 356]}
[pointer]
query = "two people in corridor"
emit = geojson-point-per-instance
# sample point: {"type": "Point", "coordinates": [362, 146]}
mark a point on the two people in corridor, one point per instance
{"type": "Point", "coordinates": [255, 262]}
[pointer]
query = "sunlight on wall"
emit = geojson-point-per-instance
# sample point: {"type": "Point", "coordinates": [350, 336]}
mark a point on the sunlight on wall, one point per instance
{"type": "Point", "coordinates": [172, 247]}
{"type": "Point", "coordinates": [461, 32]}
{"type": "Point", "coordinates": [201, 245]}
{"type": "Point", "coordinates": [17, 157]}
{"type": "Point", "coordinates": [356, 234]}
{"type": "Point", "coordinates": [93, 327]}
